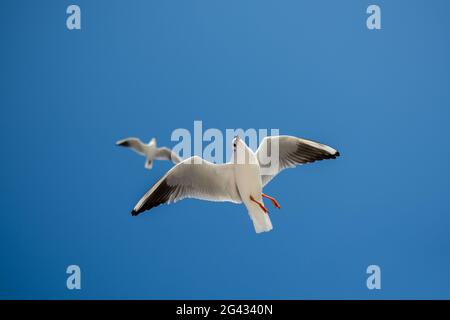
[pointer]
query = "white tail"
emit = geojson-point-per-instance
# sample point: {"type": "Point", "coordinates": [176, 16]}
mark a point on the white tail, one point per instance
{"type": "Point", "coordinates": [261, 220]}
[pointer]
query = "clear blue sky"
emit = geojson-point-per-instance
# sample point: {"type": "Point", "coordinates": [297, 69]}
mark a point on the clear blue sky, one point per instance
{"type": "Point", "coordinates": [143, 68]}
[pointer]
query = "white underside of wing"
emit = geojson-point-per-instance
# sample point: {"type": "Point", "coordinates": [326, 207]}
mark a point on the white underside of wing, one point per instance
{"type": "Point", "coordinates": [291, 152]}
{"type": "Point", "coordinates": [192, 178]}
{"type": "Point", "coordinates": [134, 144]}
{"type": "Point", "coordinates": [167, 154]}
{"type": "Point", "coordinates": [205, 181]}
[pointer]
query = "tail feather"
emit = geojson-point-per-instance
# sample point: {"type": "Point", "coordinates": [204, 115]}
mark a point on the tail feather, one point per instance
{"type": "Point", "coordinates": [148, 163]}
{"type": "Point", "coordinates": [261, 221]}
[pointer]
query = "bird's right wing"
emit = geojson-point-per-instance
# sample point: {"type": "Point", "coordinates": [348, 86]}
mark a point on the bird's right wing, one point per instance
{"type": "Point", "coordinates": [292, 151]}
{"type": "Point", "coordinates": [167, 154]}
{"type": "Point", "coordinates": [192, 178]}
{"type": "Point", "coordinates": [133, 143]}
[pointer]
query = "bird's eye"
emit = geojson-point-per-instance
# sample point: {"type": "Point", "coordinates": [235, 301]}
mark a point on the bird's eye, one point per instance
{"type": "Point", "coordinates": [234, 145]}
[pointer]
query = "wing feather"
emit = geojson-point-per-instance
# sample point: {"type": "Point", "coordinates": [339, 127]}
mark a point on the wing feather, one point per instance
{"type": "Point", "coordinates": [167, 154]}
{"type": "Point", "coordinates": [133, 143]}
{"type": "Point", "coordinates": [192, 178]}
{"type": "Point", "coordinates": [293, 151]}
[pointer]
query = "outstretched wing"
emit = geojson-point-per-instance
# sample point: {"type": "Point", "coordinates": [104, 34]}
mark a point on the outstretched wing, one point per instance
{"type": "Point", "coordinates": [292, 151]}
{"type": "Point", "coordinates": [167, 154]}
{"type": "Point", "coordinates": [192, 178]}
{"type": "Point", "coordinates": [134, 144]}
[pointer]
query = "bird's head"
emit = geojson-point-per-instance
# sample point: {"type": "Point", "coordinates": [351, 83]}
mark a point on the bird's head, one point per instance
{"type": "Point", "coordinates": [240, 151]}
{"type": "Point", "coordinates": [236, 143]}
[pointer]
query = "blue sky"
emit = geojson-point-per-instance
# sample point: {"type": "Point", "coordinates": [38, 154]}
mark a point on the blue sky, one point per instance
{"type": "Point", "coordinates": [144, 68]}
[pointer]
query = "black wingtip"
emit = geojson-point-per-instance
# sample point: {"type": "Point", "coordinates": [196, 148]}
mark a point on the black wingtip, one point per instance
{"type": "Point", "coordinates": [122, 143]}
{"type": "Point", "coordinates": [337, 154]}
{"type": "Point", "coordinates": [134, 213]}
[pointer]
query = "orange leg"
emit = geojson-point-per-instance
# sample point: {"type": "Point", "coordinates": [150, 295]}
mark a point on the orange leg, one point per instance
{"type": "Point", "coordinates": [259, 204]}
{"type": "Point", "coordinates": [275, 202]}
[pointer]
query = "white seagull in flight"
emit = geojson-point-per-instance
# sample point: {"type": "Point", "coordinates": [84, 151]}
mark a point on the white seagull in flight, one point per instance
{"type": "Point", "coordinates": [235, 181]}
{"type": "Point", "coordinates": [150, 151]}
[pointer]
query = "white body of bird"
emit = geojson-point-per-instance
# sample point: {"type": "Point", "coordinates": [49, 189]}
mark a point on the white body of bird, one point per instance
{"type": "Point", "coordinates": [247, 175]}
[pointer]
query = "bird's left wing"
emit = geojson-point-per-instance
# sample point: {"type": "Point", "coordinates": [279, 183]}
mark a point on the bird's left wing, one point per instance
{"type": "Point", "coordinates": [167, 154]}
{"type": "Point", "coordinates": [192, 178]}
{"type": "Point", "coordinates": [134, 144]}
{"type": "Point", "coordinates": [292, 151]}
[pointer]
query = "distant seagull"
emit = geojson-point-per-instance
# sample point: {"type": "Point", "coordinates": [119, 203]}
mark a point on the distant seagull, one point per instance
{"type": "Point", "coordinates": [234, 181]}
{"type": "Point", "coordinates": [150, 151]}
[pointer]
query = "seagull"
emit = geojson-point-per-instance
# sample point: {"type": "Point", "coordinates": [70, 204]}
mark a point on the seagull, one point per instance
{"type": "Point", "coordinates": [236, 181]}
{"type": "Point", "coordinates": [150, 151]}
